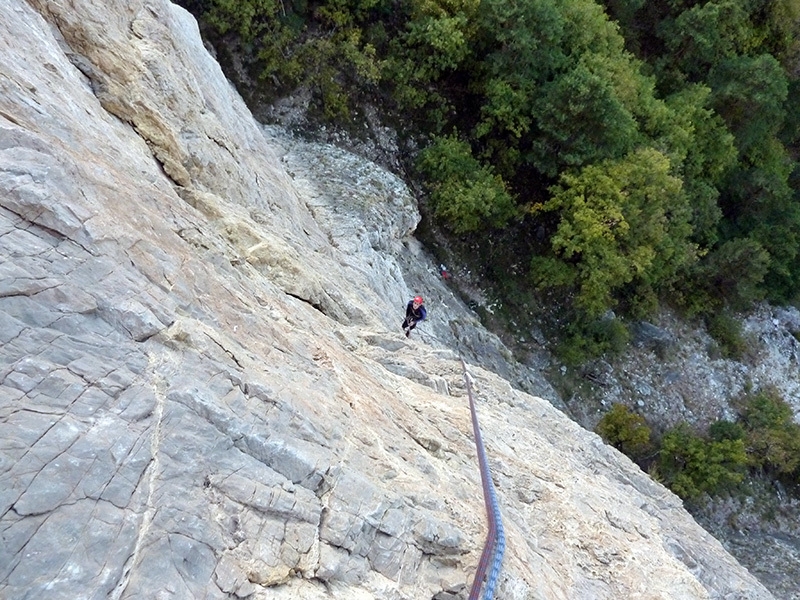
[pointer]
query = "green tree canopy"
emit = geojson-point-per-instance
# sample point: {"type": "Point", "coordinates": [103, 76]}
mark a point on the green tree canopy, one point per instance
{"type": "Point", "coordinates": [749, 93]}
{"type": "Point", "coordinates": [465, 194]}
{"type": "Point", "coordinates": [703, 151]}
{"type": "Point", "coordinates": [625, 430]}
{"type": "Point", "coordinates": [691, 465]}
{"type": "Point", "coordinates": [428, 44]}
{"type": "Point", "coordinates": [620, 221]}
{"type": "Point", "coordinates": [581, 118]}
{"type": "Point", "coordinates": [731, 273]}
{"type": "Point", "coordinates": [773, 438]}
{"type": "Point", "coordinates": [705, 34]}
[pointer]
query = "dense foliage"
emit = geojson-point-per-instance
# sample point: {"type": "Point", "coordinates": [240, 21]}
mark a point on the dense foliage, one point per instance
{"type": "Point", "coordinates": [772, 436]}
{"type": "Point", "coordinates": [763, 442]}
{"type": "Point", "coordinates": [627, 431]}
{"type": "Point", "coordinates": [650, 145]}
{"type": "Point", "coordinates": [692, 465]}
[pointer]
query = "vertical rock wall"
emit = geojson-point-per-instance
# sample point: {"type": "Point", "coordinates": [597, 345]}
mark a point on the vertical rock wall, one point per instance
{"type": "Point", "coordinates": [202, 390]}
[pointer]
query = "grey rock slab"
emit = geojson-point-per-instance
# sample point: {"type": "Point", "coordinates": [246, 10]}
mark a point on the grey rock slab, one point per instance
{"type": "Point", "coordinates": [231, 578]}
{"type": "Point", "coordinates": [29, 312]}
{"type": "Point", "coordinates": [392, 556]}
{"type": "Point", "coordinates": [135, 403]}
{"type": "Point", "coordinates": [25, 286]}
{"type": "Point", "coordinates": [174, 565]}
{"type": "Point", "coordinates": [15, 533]}
{"type": "Point", "coordinates": [233, 433]}
{"type": "Point", "coordinates": [120, 379]}
{"type": "Point", "coordinates": [133, 317]}
{"type": "Point", "coordinates": [52, 486]}
{"type": "Point", "coordinates": [108, 447]}
{"type": "Point", "coordinates": [59, 388]}
{"type": "Point", "coordinates": [434, 536]}
{"type": "Point", "coordinates": [89, 368]}
{"type": "Point", "coordinates": [21, 242]}
{"type": "Point", "coordinates": [37, 188]}
{"type": "Point", "coordinates": [22, 428]}
{"type": "Point", "coordinates": [10, 328]}
{"type": "Point", "coordinates": [94, 539]}
{"type": "Point", "coordinates": [299, 461]}
{"type": "Point", "coordinates": [336, 564]}
{"type": "Point", "coordinates": [67, 298]}
{"type": "Point", "coordinates": [297, 503]}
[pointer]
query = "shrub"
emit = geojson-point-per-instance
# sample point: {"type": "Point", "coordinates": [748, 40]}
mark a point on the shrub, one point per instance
{"type": "Point", "coordinates": [586, 338]}
{"type": "Point", "coordinates": [772, 436]}
{"type": "Point", "coordinates": [466, 195]}
{"type": "Point", "coordinates": [690, 465]}
{"type": "Point", "coordinates": [727, 332]}
{"type": "Point", "coordinates": [625, 430]}
{"type": "Point", "coordinates": [726, 430]}
{"type": "Point", "coordinates": [622, 224]}
{"type": "Point", "coordinates": [735, 271]}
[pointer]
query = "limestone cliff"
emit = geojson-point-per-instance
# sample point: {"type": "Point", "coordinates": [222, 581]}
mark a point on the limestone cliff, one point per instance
{"type": "Point", "coordinates": [204, 390]}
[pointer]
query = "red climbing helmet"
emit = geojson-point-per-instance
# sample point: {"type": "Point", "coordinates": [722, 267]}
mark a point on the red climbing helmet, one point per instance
{"type": "Point", "coordinates": [418, 299]}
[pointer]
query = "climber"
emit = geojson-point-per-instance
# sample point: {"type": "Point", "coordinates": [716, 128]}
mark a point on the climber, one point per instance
{"type": "Point", "coordinates": [415, 312]}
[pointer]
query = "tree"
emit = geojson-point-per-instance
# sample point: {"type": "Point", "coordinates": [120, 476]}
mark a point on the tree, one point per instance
{"type": "Point", "coordinates": [466, 195]}
{"type": "Point", "coordinates": [731, 274]}
{"type": "Point", "coordinates": [430, 42]}
{"type": "Point", "coordinates": [773, 438]}
{"type": "Point", "coordinates": [691, 465]}
{"type": "Point", "coordinates": [703, 152]}
{"type": "Point", "coordinates": [702, 36]}
{"type": "Point", "coordinates": [625, 430]}
{"type": "Point", "coordinates": [778, 25]}
{"type": "Point", "coordinates": [760, 204]}
{"type": "Point", "coordinates": [620, 221]}
{"type": "Point", "coordinates": [749, 92]}
{"type": "Point", "coordinates": [519, 47]}
{"type": "Point", "coordinates": [559, 90]}
{"type": "Point", "coordinates": [247, 18]}
{"type": "Point", "coordinates": [726, 430]}
{"type": "Point", "coordinates": [580, 119]}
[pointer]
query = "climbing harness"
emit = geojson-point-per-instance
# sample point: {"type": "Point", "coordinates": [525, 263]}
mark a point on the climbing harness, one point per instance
{"type": "Point", "coordinates": [495, 545]}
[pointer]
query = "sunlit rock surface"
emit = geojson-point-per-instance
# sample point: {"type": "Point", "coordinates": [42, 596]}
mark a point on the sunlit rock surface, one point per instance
{"type": "Point", "coordinates": [204, 389]}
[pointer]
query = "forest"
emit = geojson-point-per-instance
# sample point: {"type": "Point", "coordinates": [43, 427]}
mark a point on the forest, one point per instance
{"type": "Point", "coordinates": [610, 156]}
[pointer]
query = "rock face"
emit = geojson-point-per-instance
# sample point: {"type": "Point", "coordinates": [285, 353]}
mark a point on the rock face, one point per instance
{"type": "Point", "coordinates": [672, 371]}
{"type": "Point", "coordinates": [204, 392]}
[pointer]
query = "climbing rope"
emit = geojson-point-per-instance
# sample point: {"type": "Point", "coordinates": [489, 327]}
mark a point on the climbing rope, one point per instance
{"type": "Point", "coordinates": [495, 545]}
